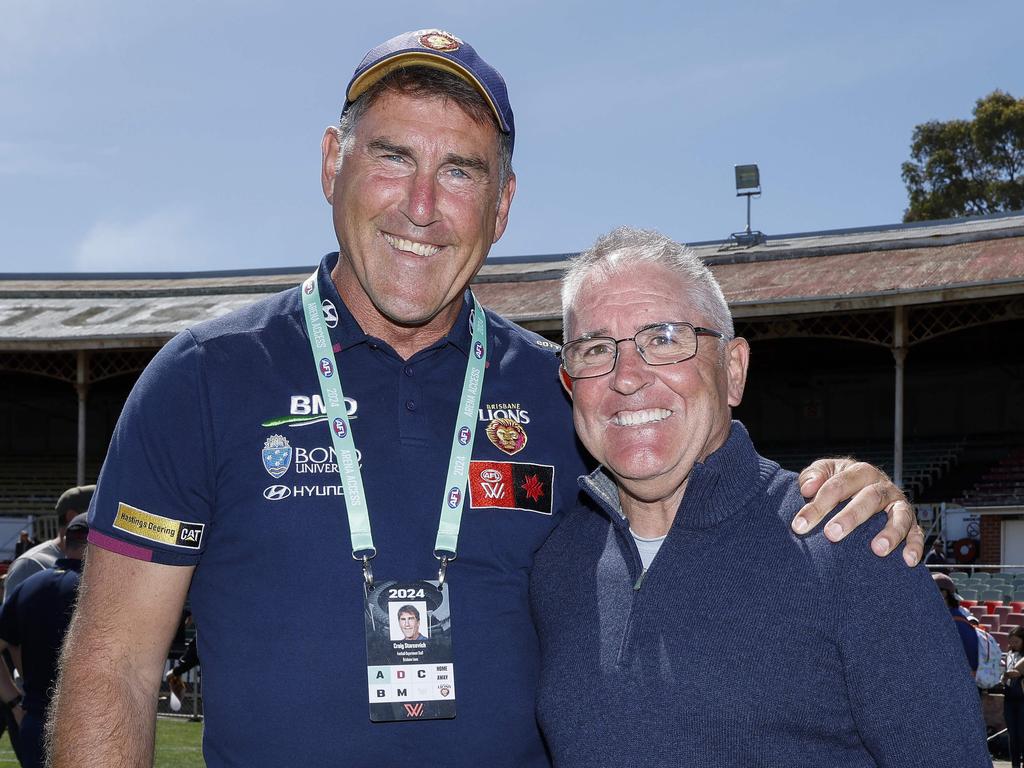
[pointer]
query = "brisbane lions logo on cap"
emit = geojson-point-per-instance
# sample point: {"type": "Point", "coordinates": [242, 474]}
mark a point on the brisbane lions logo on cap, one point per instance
{"type": "Point", "coordinates": [439, 40]}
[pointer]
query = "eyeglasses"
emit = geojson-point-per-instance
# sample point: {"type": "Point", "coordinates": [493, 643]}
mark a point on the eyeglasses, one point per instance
{"type": "Point", "coordinates": [658, 344]}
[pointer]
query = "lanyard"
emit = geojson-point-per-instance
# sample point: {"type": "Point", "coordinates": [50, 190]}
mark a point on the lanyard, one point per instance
{"type": "Point", "coordinates": [345, 447]}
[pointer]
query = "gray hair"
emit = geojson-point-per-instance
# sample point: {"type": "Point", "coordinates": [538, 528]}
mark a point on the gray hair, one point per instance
{"type": "Point", "coordinates": [623, 248]}
{"type": "Point", "coordinates": [426, 82]}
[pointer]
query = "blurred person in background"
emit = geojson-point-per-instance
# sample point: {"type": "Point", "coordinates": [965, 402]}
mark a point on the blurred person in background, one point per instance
{"type": "Point", "coordinates": [968, 637]}
{"type": "Point", "coordinates": [937, 556]}
{"type": "Point", "coordinates": [1013, 695]}
{"type": "Point", "coordinates": [42, 556]}
{"type": "Point", "coordinates": [33, 622]}
{"type": "Point", "coordinates": [25, 543]}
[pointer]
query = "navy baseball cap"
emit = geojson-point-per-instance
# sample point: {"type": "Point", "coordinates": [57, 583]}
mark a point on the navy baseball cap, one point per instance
{"type": "Point", "coordinates": [439, 50]}
{"type": "Point", "coordinates": [78, 528]}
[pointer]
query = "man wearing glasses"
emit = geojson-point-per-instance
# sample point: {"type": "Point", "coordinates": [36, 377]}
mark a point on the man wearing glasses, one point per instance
{"type": "Point", "coordinates": [681, 620]}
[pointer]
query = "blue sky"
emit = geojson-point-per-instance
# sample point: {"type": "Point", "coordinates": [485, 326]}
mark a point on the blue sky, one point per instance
{"type": "Point", "coordinates": [156, 136]}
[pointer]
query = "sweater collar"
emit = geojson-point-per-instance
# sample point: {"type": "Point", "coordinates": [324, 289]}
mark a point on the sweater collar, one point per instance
{"type": "Point", "coordinates": [717, 488]}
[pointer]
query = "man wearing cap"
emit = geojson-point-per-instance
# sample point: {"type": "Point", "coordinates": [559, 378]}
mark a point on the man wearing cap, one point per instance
{"type": "Point", "coordinates": [379, 381]}
{"type": "Point", "coordinates": [969, 638]}
{"type": "Point", "coordinates": [33, 622]}
{"type": "Point", "coordinates": [42, 556]}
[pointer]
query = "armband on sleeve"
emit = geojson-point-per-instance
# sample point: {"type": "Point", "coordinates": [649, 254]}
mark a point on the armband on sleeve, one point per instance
{"type": "Point", "coordinates": [154, 495]}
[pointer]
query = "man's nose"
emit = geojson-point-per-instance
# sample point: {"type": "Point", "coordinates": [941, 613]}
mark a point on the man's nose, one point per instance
{"type": "Point", "coordinates": [421, 206]}
{"type": "Point", "coordinates": [631, 372]}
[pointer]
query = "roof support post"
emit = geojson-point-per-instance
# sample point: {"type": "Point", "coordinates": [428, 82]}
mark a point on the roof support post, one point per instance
{"type": "Point", "coordinates": [899, 352]}
{"type": "Point", "coordinates": [82, 387]}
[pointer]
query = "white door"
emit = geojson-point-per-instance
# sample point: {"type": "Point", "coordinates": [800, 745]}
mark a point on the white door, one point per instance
{"type": "Point", "coordinates": [1013, 543]}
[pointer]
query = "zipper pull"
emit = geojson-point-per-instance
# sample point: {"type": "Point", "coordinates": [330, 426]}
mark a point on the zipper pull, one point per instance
{"type": "Point", "coordinates": [639, 581]}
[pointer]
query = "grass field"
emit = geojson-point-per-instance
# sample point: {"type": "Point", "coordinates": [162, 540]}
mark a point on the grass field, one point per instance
{"type": "Point", "coordinates": [178, 745]}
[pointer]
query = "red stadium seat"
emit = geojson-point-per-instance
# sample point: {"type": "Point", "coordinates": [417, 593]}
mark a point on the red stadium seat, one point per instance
{"type": "Point", "coordinates": [968, 604]}
{"type": "Point", "coordinates": [991, 605]}
{"type": "Point", "coordinates": [1003, 638]}
{"type": "Point", "coordinates": [1018, 606]}
{"type": "Point", "coordinates": [990, 620]}
{"type": "Point", "coordinates": [1013, 620]}
{"type": "Point", "coordinates": [1003, 611]}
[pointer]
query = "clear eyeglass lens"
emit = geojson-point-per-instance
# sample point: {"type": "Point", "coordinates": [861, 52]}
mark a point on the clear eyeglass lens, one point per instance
{"type": "Point", "coordinates": [668, 343]}
{"type": "Point", "coordinates": [589, 356]}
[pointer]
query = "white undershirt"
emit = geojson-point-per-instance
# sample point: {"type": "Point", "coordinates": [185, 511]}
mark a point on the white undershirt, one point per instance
{"type": "Point", "coordinates": [648, 548]}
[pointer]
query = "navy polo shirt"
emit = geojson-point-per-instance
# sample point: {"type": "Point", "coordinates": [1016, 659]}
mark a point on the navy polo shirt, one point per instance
{"type": "Point", "coordinates": [222, 459]}
{"type": "Point", "coordinates": [35, 617]}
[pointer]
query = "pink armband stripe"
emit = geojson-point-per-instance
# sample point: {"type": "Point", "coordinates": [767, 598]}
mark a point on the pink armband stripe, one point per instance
{"type": "Point", "coordinates": [120, 547]}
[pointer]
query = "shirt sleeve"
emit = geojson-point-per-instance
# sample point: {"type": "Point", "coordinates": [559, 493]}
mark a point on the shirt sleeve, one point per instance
{"type": "Point", "coordinates": [154, 495]}
{"type": "Point", "coordinates": [912, 695]}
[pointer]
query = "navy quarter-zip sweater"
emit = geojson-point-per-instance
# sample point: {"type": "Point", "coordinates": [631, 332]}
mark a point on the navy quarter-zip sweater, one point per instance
{"type": "Point", "coordinates": [744, 644]}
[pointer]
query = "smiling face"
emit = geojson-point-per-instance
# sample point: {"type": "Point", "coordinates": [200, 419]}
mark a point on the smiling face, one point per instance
{"type": "Point", "coordinates": [646, 424]}
{"type": "Point", "coordinates": [416, 207]}
{"type": "Point", "coordinates": [409, 623]}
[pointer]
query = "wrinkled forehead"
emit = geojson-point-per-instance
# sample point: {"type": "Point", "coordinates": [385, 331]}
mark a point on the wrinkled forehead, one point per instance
{"type": "Point", "coordinates": [625, 299]}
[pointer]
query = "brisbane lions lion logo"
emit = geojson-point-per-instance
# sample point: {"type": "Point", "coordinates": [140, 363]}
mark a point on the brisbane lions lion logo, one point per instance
{"type": "Point", "coordinates": [507, 434]}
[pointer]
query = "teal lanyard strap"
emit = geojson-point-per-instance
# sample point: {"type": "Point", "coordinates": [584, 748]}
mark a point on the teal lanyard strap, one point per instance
{"type": "Point", "coordinates": [329, 376]}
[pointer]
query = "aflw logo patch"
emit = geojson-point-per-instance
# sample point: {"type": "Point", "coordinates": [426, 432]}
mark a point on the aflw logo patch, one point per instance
{"type": "Point", "coordinates": [511, 485]}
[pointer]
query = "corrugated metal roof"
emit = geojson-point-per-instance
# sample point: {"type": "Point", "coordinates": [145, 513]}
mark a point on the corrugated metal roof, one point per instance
{"type": "Point", "coordinates": [821, 272]}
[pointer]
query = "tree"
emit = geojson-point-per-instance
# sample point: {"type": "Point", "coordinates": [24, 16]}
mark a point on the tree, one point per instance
{"type": "Point", "coordinates": [968, 167]}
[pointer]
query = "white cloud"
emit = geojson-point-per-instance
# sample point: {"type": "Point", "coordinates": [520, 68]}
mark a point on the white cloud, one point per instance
{"type": "Point", "coordinates": [163, 241]}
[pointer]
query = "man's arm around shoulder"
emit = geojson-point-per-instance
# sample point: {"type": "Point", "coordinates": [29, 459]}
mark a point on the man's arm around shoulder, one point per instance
{"type": "Point", "coordinates": [104, 711]}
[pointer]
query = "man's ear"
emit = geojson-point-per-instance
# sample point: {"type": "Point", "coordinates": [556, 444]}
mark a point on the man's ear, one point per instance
{"type": "Point", "coordinates": [504, 203]}
{"type": "Point", "coordinates": [737, 359]}
{"type": "Point", "coordinates": [566, 380]}
{"type": "Point", "coordinates": [330, 146]}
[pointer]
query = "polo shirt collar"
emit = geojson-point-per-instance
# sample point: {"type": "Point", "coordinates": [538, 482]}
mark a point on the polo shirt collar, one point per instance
{"type": "Point", "coordinates": [348, 334]}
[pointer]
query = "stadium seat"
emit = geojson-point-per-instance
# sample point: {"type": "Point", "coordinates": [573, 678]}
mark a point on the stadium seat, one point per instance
{"type": "Point", "coordinates": [1003, 638]}
{"type": "Point", "coordinates": [982, 576]}
{"type": "Point", "coordinates": [1002, 611]}
{"type": "Point", "coordinates": [968, 603]}
{"type": "Point", "coordinates": [990, 605]}
{"type": "Point", "coordinates": [970, 594]}
{"type": "Point", "coordinates": [1014, 618]}
{"type": "Point", "coordinates": [989, 620]}
{"type": "Point", "coordinates": [1018, 606]}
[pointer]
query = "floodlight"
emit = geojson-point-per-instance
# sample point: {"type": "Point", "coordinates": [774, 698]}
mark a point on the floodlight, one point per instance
{"type": "Point", "coordinates": [747, 178]}
{"type": "Point", "coordinates": [748, 184]}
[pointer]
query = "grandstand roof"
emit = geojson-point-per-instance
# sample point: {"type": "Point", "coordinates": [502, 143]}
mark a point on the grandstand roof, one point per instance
{"type": "Point", "coordinates": [822, 272]}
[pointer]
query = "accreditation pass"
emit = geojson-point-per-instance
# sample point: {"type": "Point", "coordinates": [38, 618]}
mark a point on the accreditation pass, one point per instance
{"type": "Point", "coordinates": [410, 674]}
